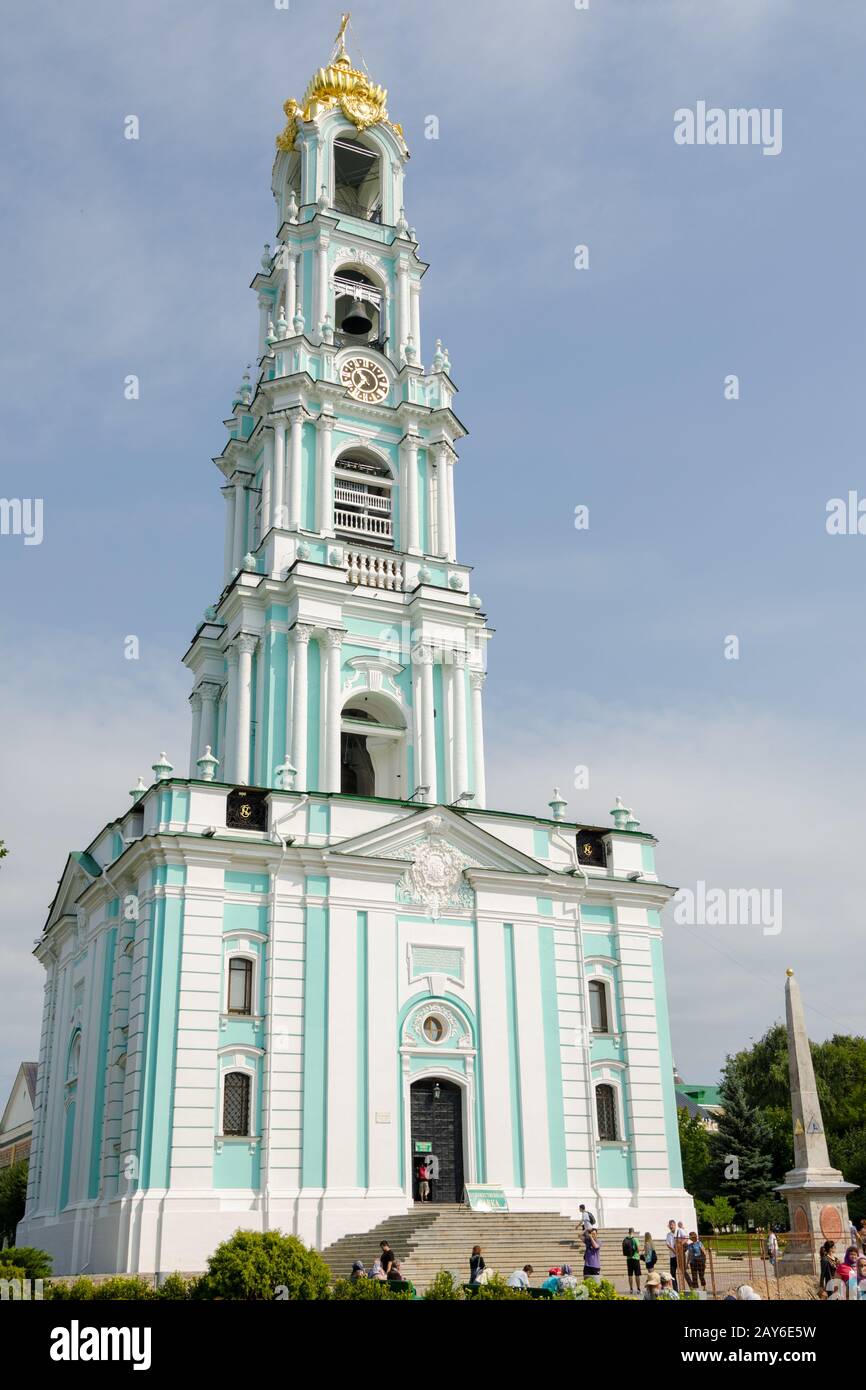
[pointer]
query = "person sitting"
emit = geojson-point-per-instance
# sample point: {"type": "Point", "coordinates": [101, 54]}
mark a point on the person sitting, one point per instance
{"type": "Point", "coordinates": [519, 1278]}
{"type": "Point", "coordinates": [568, 1279]}
{"type": "Point", "coordinates": [358, 1271]}
{"type": "Point", "coordinates": [651, 1289]}
{"type": "Point", "coordinates": [667, 1289]}
{"type": "Point", "coordinates": [746, 1294]}
{"type": "Point", "coordinates": [376, 1271]}
{"type": "Point", "coordinates": [551, 1283]}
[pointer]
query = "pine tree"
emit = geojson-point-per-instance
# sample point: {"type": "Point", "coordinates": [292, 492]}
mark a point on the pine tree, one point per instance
{"type": "Point", "coordinates": [742, 1149]}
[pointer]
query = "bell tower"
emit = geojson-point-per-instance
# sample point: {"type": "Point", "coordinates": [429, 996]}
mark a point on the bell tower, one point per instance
{"type": "Point", "coordinates": [346, 651]}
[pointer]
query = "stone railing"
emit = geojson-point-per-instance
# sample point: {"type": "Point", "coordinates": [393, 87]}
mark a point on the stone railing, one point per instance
{"type": "Point", "coordinates": [373, 571]}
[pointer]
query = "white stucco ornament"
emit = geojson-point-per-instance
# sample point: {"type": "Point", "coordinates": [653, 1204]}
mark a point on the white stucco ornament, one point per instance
{"type": "Point", "coordinates": [435, 878]}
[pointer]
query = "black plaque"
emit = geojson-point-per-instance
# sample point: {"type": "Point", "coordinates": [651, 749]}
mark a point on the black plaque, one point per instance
{"type": "Point", "coordinates": [590, 849]}
{"type": "Point", "coordinates": [247, 809]}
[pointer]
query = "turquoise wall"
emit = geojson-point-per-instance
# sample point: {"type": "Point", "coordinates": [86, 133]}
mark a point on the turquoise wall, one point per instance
{"type": "Point", "coordinates": [314, 1133]}
{"type": "Point", "coordinates": [160, 1034]}
{"type": "Point", "coordinates": [515, 1097]}
{"type": "Point", "coordinates": [99, 1097]}
{"type": "Point", "coordinates": [552, 1057]}
{"type": "Point", "coordinates": [666, 1062]}
{"type": "Point", "coordinates": [314, 698]}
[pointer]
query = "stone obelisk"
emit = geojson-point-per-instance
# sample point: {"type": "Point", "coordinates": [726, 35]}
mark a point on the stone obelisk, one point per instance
{"type": "Point", "coordinates": [817, 1194]}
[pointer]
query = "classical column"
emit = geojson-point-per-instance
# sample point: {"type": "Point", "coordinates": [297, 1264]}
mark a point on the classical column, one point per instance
{"type": "Point", "coordinates": [444, 536]}
{"type": "Point", "coordinates": [246, 645]}
{"type": "Point", "coordinates": [297, 418]}
{"type": "Point", "coordinates": [410, 469]}
{"type": "Point", "coordinates": [417, 720]}
{"type": "Point", "coordinates": [333, 704]}
{"type": "Point", "coordinates": [239, 545]}
{"type": "Point", "coordinates": [267, 482]}
{"type": "Point", "coordinates": [302, 633]}
{"type": "Point", "coordinates": [195, 737]}
{"type": "Point", "coordinates": [428, 723]}
{"type": "Point", "coordinates": [228, 545]}
{"type": "Point", "coordinates": [229, 736]}
{"type": "Point", "coordinates": [403, 309]}
{"type": "Point", "coordinates": [461, 761]}
{"type": "Point", "coordinates": [416, 319]}
{"type": "Point", "coordinates": [291, 288]}
{"type": "Point", "coordinates": [477, 679]}
{"type": "Point", "coordinates": [278, 488]}
{"type": "Point", "coordinates": [321, 284]}
{"type": "Point", "coordinates": [264, 315]}
{"type": "Point", "coordinates": [324, 481]}
{"type": "Point", "coordinates": [452, 520]}
{"type": "Point", "coordinates": [210, 695]}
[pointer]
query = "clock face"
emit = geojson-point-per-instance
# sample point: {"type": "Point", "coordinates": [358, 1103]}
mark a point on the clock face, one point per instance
{"type": "Point", "coordinates": [364, 378]}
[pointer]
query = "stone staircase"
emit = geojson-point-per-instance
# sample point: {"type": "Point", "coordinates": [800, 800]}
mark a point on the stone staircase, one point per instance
{"type": "Point", "coordinates": [435, 1237]}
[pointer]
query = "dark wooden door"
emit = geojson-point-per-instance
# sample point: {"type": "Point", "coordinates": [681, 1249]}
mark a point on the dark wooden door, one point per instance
{"type": "Point", "coordinates": [439, 1121]}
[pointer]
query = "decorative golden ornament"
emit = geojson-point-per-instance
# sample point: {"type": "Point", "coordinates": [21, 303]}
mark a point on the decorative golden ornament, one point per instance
{"type": "Point", "coordinates": [362, 102]}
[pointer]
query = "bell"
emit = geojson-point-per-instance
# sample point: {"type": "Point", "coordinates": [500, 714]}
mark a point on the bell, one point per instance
{"type": "Point", "coordinates": [357, 322]}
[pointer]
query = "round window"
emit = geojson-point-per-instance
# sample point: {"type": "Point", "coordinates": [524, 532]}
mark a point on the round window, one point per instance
{"type": "Point", "coordinates": [434, 1029]}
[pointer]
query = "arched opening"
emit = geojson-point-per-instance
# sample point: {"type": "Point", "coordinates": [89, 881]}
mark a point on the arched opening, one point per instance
{"type": "Point", "coordinates": [362, 498]}
{"type": "Point", "coordinates": [437, 1138]}
{"type": "Point", "coordinates": [357, 179]}
{"type": "Point", "coordinates": [237, 1087]}
{"type": "Point", "coordinates": [372, 747]}
{"type": "Point", "coordinates": [358, 310]}
{"type": "Point", "coordinates": [605, 1107]}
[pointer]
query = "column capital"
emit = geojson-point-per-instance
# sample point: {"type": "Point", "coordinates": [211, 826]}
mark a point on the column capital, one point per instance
{"type": "Point", "coordinates": [209, 690]}
{"type": "Point", "coordinates": [325, 422]}
{"type": "Point", "coordinates": [297, 414]}
{"type": "Point", "coordinates": [424, 654]}
{"type": "Point", "coordinates": [459, 657]}
{"type": "Point", "coordinates": [244, 644]}
{"type": "Point", "coordinates": [334, 636]}
{"type": "Point", "coordinates": [195, 699]}
{"type": "Point", "coordinates": [303, 632]}
{"type": "Point", "coordinates": [477, 679]}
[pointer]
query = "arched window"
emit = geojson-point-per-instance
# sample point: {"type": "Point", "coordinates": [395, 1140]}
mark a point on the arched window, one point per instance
{"type": "Point", "coordinates": [236, 1103]}
{"type": "Point", "coordinates": [362, 498]}
{"type": "Point", "coordinates": [357, 180]}
{"type": "Point", "coordinates": [73, 1061]}
{"type": "Point", "coordinates": [599, 1015]}
{"type": "Point", "coordinates": [372, 747]}
{"type": "Point", "coordinates": [240, 993]}
{"type": "Point", "coordinates": [605, 1109]}
{"type": "Point", "coordinates": [358, 309]}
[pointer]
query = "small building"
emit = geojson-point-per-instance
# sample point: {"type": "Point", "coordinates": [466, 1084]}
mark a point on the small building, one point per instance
{"type": "Point", "coordinates": [16, 1126]}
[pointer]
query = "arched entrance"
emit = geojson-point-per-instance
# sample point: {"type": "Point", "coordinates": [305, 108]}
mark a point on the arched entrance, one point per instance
{"type": "Point", "coordinates": [437, 1121]}
{"type": "Point", "coordinates": [372, 747]}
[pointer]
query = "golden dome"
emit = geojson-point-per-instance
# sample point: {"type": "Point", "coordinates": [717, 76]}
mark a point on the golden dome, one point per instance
{"type": "Point", "coordinates": [362, 102]}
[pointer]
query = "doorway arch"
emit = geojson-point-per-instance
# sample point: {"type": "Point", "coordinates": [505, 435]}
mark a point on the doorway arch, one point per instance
{"type": "Point", "coordinates": [373, 746]}
{"type": "Point", "coordinates": [436, 1108]}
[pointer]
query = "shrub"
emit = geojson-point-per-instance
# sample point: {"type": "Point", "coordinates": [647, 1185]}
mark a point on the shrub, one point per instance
{"type": "Point", "coordinates": [176, 1287]}
{"type": "Point", "coordinates": [122, 1288]}
{"type": "Point", "coordinates": [496, 1287]}
{"type": "Point", "coordinates": [36, 1263]}
{"type": "Point", "coordinates": [12, 1271]}
{"type": "Point", "coordinates": [13, 1196]}
{"type": "Point", "coordinates": [602, 1290]}
{"type": "Point", "coordinates": [444, 1288]}
{"type": "Point", "coordinates": [368, 1290]}
{"type": "Point", "coordinates": [264, 1266]}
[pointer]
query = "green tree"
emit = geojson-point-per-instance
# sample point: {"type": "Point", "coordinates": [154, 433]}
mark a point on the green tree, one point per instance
{"type": "Point", "coordinates": [13, 1195]}
{"type": "Point", "coordinates": [740, 1148]}
{"type": "Point", "coordinates": [695, 1150]}
{"type": "Point", "coordinates": [264, 1266]}
{"type": "Point", "coordinates": [716, 1215]}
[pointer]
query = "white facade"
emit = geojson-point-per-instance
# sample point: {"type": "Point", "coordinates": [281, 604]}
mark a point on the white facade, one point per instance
{"type": "Point", "coordinates": [274, 982]}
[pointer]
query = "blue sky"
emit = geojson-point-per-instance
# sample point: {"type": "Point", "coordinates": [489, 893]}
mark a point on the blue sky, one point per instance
{"type": "Point", "coordinates": [602, 387]}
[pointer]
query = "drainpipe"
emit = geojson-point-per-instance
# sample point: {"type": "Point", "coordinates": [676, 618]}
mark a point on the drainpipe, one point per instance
{"type": "Point", "coordinates": [284, 842]}
{"type": "Point", "coordinates": [577, 868]}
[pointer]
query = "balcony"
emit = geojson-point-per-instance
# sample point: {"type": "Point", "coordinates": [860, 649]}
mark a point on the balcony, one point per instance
{"type": "Point", "coordinates": [378, 528]}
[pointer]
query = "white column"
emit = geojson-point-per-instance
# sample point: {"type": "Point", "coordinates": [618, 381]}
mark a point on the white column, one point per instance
{"type": "Point", "coordinates": [229, 736]}
{"type": "Point", "coordinates": [291, 288]}
{"type": "Point", "coordinates": [228, 545]}
{"type": "Point", "coordinates": [246, 645]}
{"type": "Point", "coordinates": [403, 309]}
{"type": "Point", "coordinates": [208, 731]}
{"type": "Point", "coordinates": [321, 286]}
{"type": "Point", "coordinates": [264, 315]}
{"type": "Point", "coordinates": [477, 679]}
{"type": "Point", "coordinates": [444, 536]}
{"type": "Point", "coordinates": [302, 633]}
{"type": "Point", "coordinates": [324, 481]}
{"type": "Point", "coordinates": [278, 490]}
{"type": "Point", "coordinates": [417, 720]}
{"type": "Point", "coordinates": [428, 740]}
{"type": "Point", "coordinates": [333, 703]}
{"type": "Point", "coordinates": [267, 482]}
{"type": "Point", "coordinates": [195, 737]}
{"type": "Point", "coordinates": [449, 791]}
{"type": "Point", "coordinates": [461, 761]}
{"type": "Point", "coordinates": [240, 540]}
{"type": "Point", "coordinates": [452, 519]}
{"type": "Point", "coordinates": [297, 418]}
{"type": "Point", "coordinates": [410, 473]}
{"type": "Point", "coordinates": [416, 319]}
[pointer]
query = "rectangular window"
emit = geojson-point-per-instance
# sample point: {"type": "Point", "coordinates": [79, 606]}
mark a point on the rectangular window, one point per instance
{"type": "Point", "coordinates": [605, 1104]}
{"type": "Point", "coordinates": [598, 1007]}
{"type": "Point", "coordinates": [236, 1106]}
{"type": "Point", "coordinates": [240, 986]}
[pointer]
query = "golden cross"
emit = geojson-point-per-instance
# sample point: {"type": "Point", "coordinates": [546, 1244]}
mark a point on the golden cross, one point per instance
{"type": "Point", "coordinates": [341, 36]}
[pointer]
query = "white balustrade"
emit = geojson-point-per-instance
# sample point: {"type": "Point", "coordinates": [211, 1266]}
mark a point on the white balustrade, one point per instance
{"type": "Point", "coordinates": [373, 571]}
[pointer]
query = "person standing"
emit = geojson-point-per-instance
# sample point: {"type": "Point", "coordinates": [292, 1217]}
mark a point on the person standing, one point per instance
{"type": "Point", "coordinates": [671, 1239]}
{"type": "Point", "coordinates": [828, 1263]}
{"type": "Point", "coordinates": [772, 1248]}
{"type": "Point", "coordinates": [424, 1174]}
{"type": "Point", "coordinates": [586, 1218]}
{"type": "Point", "coordinates": [696, 1262]}
{"type": "Point", "coordinates": [631, 1250]}
{"type": "Point", "coordinates": [591, 1255]}
{"type": "Point", "coordinates": [476, 1264]}
{"type": "Point", "coordinates": [649, 1254]}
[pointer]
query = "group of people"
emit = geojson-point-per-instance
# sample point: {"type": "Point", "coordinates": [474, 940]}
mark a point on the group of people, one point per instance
{"type": "Point", "coordinates": [845, 1277]}
{"type": "Point", "coordinates": [386, 1267]}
